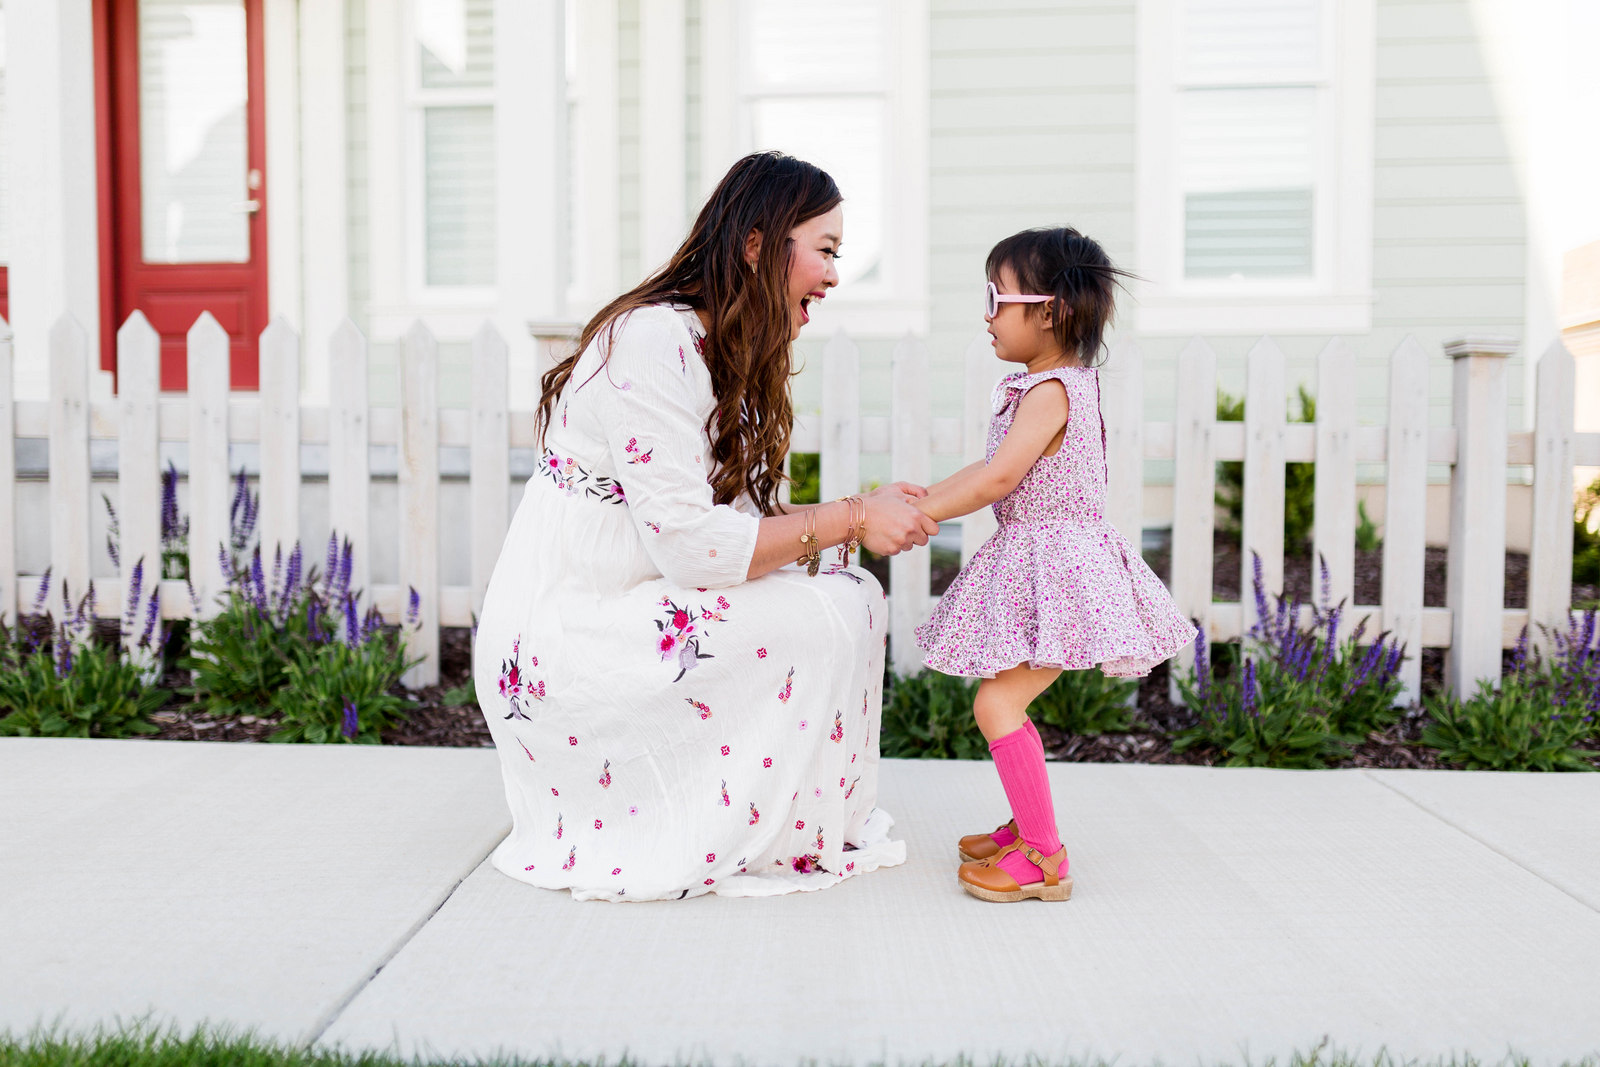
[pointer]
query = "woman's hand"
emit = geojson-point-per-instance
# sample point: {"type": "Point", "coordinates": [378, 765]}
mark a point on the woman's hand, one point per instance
{"type": "Point", "coordinates": [894, 523]}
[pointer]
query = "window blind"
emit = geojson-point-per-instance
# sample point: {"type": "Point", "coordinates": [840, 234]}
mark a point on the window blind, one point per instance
{"type": "Point", "coordinates": [458, 195]}
{"type": "Point", "coordinates": [1248, 137]}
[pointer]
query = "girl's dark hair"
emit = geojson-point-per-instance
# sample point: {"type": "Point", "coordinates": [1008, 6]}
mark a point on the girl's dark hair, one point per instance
{"type": "Point", "coordinates": [747, 347]}
{"type": "Point", "coordinates": [1075, 271]}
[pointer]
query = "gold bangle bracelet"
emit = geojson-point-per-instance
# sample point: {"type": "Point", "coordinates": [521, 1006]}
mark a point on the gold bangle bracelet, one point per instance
{"type": "Point", "coordinates": [811, 554]}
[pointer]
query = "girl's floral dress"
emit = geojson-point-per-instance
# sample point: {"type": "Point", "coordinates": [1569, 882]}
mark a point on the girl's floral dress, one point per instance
{"type": "Point", "coordinates": [665, 727]}
{"type": "Point", "coordinates": [1057, 585]}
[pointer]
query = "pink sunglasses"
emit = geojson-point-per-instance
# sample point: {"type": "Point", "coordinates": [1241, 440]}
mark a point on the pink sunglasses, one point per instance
{"type": "Point", "coordinates": [993, 298]}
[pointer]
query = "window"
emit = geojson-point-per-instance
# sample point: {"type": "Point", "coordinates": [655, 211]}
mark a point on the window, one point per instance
{"type": "Point", "coordinates": [1254, 165]}
{"type": "Point", "coordinates": [844, 87]}
{"type": "Point", "coordinates": [452, 123]}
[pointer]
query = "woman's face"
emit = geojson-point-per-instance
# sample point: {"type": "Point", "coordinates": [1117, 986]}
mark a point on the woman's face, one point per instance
{"type": "Point", "coordinates": [813, 246]}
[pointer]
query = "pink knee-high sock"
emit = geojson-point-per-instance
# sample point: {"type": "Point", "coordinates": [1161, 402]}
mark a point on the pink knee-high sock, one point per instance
{"type": "Point", "coordinates": [1019, 757]}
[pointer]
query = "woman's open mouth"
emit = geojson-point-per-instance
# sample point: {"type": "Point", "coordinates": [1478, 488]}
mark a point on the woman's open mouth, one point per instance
{"type": "Point", "coordinates": [805, 305]}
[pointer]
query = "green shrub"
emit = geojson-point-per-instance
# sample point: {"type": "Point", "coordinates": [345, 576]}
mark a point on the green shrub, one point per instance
{"type": "Point", "coordinates": [1086, 703]}
{"type": "Point", "coordinates": [1536, 718]}
{"type": "Point", "coordinates": [1367, 539]}
{"type": "Point", "coordinates": [1302, 696]}
{"type": "Point", "coordinates": [1299, 479]}
{"type": "Point", "coordinates": [299, 644]}
{"type": "Point", "coordinates": [929, 716]}
{"type": "Point", "coordinates": [56, 680]}
{"type": "Point", "coordinates": [1586, 542]}
{"type": "Point", "coordinates": [805, 473]}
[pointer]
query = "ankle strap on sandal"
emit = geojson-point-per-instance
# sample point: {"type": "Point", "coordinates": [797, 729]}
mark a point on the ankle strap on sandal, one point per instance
{"type": "Point", "coordinates": [1047, 864]}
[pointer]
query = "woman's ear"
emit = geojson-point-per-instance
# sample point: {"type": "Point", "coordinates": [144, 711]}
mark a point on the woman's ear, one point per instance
{"type": "Point", "coordinates": [752, 249]}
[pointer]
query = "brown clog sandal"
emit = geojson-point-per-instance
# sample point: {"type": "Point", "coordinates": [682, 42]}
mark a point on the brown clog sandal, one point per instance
{"type": "Point", "coordinates": [989, 881]}
{"type": "Point", "coordinates": [975, 848]}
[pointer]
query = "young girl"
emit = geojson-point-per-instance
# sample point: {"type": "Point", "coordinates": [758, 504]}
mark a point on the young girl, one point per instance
{"type": "Point", "coordinates": [1057, 587]}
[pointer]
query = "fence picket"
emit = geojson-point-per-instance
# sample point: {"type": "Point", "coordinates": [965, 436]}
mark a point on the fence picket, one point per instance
{"type": "Point", "coordinates": [1475, 576]}
{"type": "Point", "coordinates": [1194, 489]}
{"type": "Point", "coordinates": [349, 455]}
{"type": "Point", "coordinates": [138, 453]}
{"type": "Point", "coordinates": [841, 417]}
{"type": "Point", "coordinates": [419, 493]}
{"type": "Point", "coordinates": [1262, 526]}
{"type": "Point", "coordinates": [1405, 509]}
{"type": "Point", "coordinates": [1333, 539]}
{"type": "Point", "coordinates": [1550, 555]}
{"type": "Point", "coordinates": [280, 438]}
{"type": "Point", "coordinates": [909, 461]}
{"type": "Point", "coordinates": [983, 370]}
{"type": "Point", "coordinates": [69, 455]}
{"type": "Point", "coordinates": [491, 452]}
{"type": "Point", "coordinates": [209, 491]}
{"type": "Point", "coordinates": [10, 603]}
{"type": "Point", "coordinates": [1122, 405]}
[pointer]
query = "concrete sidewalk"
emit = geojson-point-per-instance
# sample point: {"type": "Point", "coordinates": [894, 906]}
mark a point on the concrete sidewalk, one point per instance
{"type": "Point", "coordinates": [339, 895]}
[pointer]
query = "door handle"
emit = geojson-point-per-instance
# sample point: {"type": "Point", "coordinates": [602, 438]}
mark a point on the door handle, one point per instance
{"type": "Point", "coordinates": [249, 207]}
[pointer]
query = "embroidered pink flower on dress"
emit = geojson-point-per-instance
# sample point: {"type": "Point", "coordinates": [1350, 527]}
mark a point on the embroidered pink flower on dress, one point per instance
{"type": "Point", "coordinates": [615, 871]}
{"type": "Point", "coordinates": [767, 761]}
{"type": "Point", "coordinates": [572, 858]}
{"type": "Point", "coordinates": [725, 801]}
{"type": "Point", "coordinates": [711, 881]}
{"type": "Point", "coordinates": [605, 776]}
{"type": "Point", "coordinates": [850, 866]}
{"type": "Point", "coordinates": [711, 857]}
{"type": "Point", "coordinates": [761, 653]}
{"type": "Point", "coordinates": [799, 824]}
{"type": "Point", "coordinates": [725, 750]}
{"type": "Point", "coordinates": [788, 688]}
{"type": "Point", "coordinates": [705, 711]}
{"type": "Point", "coordinates": [597, 824]}
{"type": "Point", "coordinates": [553, 792]}
{"type": "Point", "coordinates": [572, 740]}
{"type": "Point", "coordinates": [633, 811]}
{"type": "Point", "coordinates": [755, 816]}
{"type": "Point", "coordinates": [529, 867]}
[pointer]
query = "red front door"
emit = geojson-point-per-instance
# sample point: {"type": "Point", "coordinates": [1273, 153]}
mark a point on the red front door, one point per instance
{"type": "Point", "coordinates": [186, 147]}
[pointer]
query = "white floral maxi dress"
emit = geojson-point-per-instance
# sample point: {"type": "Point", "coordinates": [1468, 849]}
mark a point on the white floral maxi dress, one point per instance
{"type": "Point", "coordinates": [666, 728]}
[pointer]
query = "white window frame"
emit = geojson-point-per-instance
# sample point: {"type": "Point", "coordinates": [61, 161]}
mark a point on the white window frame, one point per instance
{"type": "Point", "coordinates": [416, 100]}
{"type": "Point", "coordinates": [899, 303]}
{"type": "Point", "coordinates": [1338, 297]}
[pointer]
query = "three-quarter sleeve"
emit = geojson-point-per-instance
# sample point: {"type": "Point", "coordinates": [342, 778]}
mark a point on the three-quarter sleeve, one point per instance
{"type": "Point", "coordinates": [654, 395]}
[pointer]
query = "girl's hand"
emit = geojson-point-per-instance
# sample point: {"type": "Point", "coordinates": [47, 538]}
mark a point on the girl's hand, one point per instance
{"type": "Point", "coordinates": [894, 524]}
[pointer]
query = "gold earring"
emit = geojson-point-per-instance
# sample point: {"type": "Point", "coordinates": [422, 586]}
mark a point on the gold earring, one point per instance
{"type": "Point", "coordinates": [752, 268]}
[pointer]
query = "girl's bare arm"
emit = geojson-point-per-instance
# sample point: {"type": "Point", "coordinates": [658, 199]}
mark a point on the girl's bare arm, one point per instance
{"type": "Point", "coordinates": [1041, 415]}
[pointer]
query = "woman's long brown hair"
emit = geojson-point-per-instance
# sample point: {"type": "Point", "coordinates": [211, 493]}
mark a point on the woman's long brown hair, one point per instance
{"type": "Point", "coordinates": [747, 347]}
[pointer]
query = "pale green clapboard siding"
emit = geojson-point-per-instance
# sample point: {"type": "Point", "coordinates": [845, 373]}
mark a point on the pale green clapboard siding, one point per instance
{"type": "Point", "coordinates": [628, 140]}
{"type": "Point", "coordinates": [1448, 221]}
{"type": "Point", "coordinates": [693, 119]}
{"type": "Point", "coordinates": [355, 161]}
{"type": "Point", "coordinates": [1031, 123]}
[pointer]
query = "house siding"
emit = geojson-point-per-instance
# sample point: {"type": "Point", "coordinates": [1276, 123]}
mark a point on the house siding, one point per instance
{"type": "Point", "coordinates": [355, 161]}
{"type": "Point", "coordinates": [628, 236]}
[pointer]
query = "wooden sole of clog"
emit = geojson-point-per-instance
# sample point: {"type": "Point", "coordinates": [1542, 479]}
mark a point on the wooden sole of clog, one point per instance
{"type": "Point", "coordinates": [1035, 891]}
{"type": "Point", "coordinates": [966, 858]}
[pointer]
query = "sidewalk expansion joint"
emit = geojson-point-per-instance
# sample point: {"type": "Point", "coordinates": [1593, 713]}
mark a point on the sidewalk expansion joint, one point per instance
{"type": "Point", "coordinates": [326, 1022]}
{"type": "Point", "coordinates": [1490, 845]}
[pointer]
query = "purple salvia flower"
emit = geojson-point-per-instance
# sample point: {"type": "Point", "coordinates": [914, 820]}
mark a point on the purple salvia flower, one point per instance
{"type": "Point", "coordinates": [352, 628]}
{"type": "Point", "coordinates": [194, 598]}
{"type": "Point", "coordinates": [152, 617]}
{"type": "Point", "coordinates": [291, 581]}
{"type": "Point", "coordinates": [413, 607]}
{"type": "Point", "coordinates": [331, 567]}
{"type": "Point", "coordinates": [1259, 587]}
{"type": "Point", "coordinates": [1358, 632]}
{"type": "Point", "coordinates": [237, 507]}
{"type": "Point", "coordinates": [170, 530]}
{"type": "Point", "coordinates": [277, 573]}
{"type": "Point", "coordinates": [371, 624]}
{"type": "Point", "coordinates": [352, 723]}
{"type": "Point", "coordinates": [346, 557]}
{"type": "Point", "coordinates": [44, 592]}
{"type": "Point", "coordinates": [1519, 655]}
{"type": "Point", "coordinates": [226, 564]}
{"type": "Point", "coordinates": [1364, 671]}
{"type": "Point", "coordinates": [1327, 580]}
{"type": "Point", "coordinates": [1202, 664]}
{"type": "Point", "coordinates": [313, 620]}
{"type": "Point", "coordinates": [258, 583]}
{"type": "Point", "coordinates": [1280, 624]}
{"type": "Point", "coordinates": [1333, 640]}
{"type": "Point", "coordinates": [111, 550]}
{"type": "Point", "coordinates": [1248, 686]}
{"type": "Point", "coordinates": [135, 588]}
{"type": "Point", "coordinates": [1393, 663]}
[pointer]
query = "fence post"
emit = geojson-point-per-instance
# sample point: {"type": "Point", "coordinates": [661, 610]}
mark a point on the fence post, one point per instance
{"type": "Point", "coordinates": [10, 603]}
{"type": "Point", "coordinates": [139, 500]}
{"type": "Point", "coordinates": [349, 442]}
{"type": "Point", "coordinates": [1405, 510]}
{"type": "Point", "coordinates": [1333, 537]}
{"type": "Point", "coordinates": [841, 417]}
{"type": "Point", "coordinates": [909, 461]}
{"type": "Point", "coordinates": [1261, 530]}
{"type": "Point", "coordinates": [982, 371]}
{"type": "Point", "coordinates": [419, 493]}
{"type": "Point", "coordinates": [1475, 582]}
{"type": "Point", "coordinates": [1550, 561]}
{"type": "Point", "coordinates": [69, 454]}
{"type": "Point", "coordinates": [209, 535]}
{"type": "Point", "coordinates": [1194, 492]}
{"type": "Point", "coordinates": [491, 456]}
{"type": "Point", "coordinates": [280, 438]}
{"type": "Point", "coordinates": [1122, 387]}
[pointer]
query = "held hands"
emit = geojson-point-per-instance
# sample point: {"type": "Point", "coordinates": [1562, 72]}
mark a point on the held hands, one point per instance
{"type": "Point", "coordinates": [894, 524]}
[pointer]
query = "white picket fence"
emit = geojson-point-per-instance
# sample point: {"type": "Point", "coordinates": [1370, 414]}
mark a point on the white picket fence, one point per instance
{"type": "Point", "coordinates": [1474, 626]}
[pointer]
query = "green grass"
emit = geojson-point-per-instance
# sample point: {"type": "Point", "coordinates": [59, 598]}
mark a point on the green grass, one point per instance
{"type": "Point", "coordinates": [146, 1046]}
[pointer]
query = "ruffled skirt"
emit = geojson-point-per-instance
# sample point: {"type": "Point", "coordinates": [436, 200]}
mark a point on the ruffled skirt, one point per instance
{"type": "Point", "coordinates": [1064, 594]}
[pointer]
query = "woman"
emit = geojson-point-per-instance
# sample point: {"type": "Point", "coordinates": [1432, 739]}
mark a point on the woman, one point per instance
{"type": "Point", "coordinates": [676, 715]}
